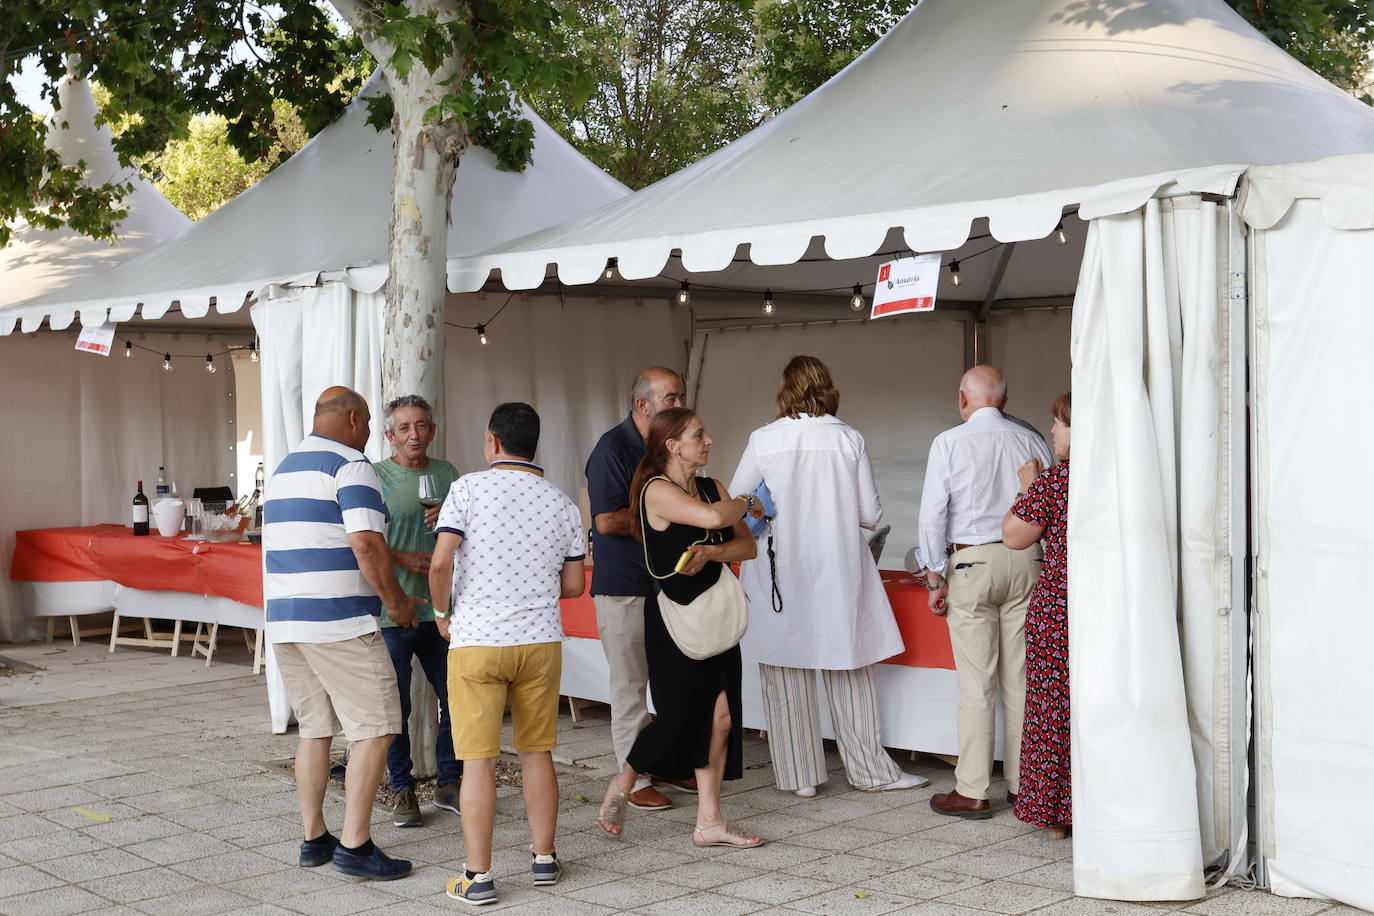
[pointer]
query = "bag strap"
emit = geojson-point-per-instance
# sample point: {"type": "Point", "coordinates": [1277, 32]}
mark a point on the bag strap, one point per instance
{"type": "Point", "coordinates": [644, 528]}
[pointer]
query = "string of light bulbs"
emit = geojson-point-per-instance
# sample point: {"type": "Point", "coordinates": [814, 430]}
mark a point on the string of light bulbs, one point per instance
{"type": "Point", "coordinates": [168, 356]}
{"type": "Point", "coordinates": [481, 329]}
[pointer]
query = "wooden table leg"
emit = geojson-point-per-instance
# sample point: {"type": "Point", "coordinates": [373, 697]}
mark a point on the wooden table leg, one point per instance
{"type": "Point", "coordinates": [75, 627]}
{"type": "Point", "coordinates": [257, 653]}
{"type": "Point", "coordinates": [114, 631]}
{"type": "Point", "coordinates": [214, 637]}
{"type": "Point", "coordinates": [52, 625]}
{"type": "Point", "coordinates": [176, 637]}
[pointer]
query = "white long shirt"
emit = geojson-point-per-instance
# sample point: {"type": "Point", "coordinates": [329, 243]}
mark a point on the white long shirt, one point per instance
{"type": "Point", "coordinates": [835, 612]}
{"type": "Point", "coordinates": [971, 482]}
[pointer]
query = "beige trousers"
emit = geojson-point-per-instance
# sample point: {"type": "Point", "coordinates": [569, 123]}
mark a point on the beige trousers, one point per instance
{"type": "Point", "coordinates": [620, 623]}
{"type": "Point", "coordinates": [791, 709]}
{"type": "Point", "coordinates": [989, 590]}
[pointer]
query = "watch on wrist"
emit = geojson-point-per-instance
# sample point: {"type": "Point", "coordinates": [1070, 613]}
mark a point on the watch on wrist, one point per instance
{"type": "Point", "coordinates": [749, 501]}
{"type": "Point", "coordinates": [932, 586]}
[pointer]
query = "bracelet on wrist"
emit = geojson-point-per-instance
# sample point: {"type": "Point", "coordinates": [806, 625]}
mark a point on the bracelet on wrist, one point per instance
{"type": "Point", "coordinates": [441, 614]}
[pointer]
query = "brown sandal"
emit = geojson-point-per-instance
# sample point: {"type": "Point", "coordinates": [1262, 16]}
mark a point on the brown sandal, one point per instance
{"type": "Point", "coordinates": [730, 835]}
{"type": "Point", "coordinates": [611, 817]}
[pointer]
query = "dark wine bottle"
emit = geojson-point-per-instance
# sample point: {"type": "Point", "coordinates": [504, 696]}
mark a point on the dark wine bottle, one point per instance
{"type": "Point", "coordinates": [140, 511]}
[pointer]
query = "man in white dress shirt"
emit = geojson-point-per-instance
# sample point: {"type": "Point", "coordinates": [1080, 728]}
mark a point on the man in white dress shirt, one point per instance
{"type": "Point", "coordinates": [982, 585]}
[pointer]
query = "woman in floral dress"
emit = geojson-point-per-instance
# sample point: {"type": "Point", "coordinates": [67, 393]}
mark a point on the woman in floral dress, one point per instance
{"type": "Point", "coordinates": [1041, 512]}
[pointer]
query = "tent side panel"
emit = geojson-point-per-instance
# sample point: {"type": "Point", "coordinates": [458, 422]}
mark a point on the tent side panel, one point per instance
{"type": "Point", "coordinates": [1314, 336]}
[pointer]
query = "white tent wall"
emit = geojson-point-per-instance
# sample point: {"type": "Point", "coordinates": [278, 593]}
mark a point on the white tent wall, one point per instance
{"type": "Point", "coordinates": [573, 360]}
{"type": "Point", "coordinates": [83, 429]}
{"type": "Point", "coordinates": [1150, 547]}
{"type": "Point", "coordinates": [1314, 496]}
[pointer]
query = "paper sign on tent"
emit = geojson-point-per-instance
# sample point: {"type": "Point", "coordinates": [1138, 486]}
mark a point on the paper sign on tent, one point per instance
{"type": "Point", "coordinates": [906, 285]}
{"type": "Point", "coordinates": [97, 340]}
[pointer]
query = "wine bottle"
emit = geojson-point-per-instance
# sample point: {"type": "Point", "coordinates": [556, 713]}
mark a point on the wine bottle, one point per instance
{"type": "Point", "coordinates": [162, 491]}
{"type": "Point", "coordinates": [140, 511]}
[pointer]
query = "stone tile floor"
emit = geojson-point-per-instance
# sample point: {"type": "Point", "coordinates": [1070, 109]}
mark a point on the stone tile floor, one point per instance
{"type": "Point", "coordinates": [138, 783]}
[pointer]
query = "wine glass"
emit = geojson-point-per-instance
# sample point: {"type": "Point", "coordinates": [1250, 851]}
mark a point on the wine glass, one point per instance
{"type": "Point", "coordinates": [430, 491]}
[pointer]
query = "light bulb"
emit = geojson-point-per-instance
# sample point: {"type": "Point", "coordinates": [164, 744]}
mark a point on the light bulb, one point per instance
{"type": "Point", "coordinates": [684, 296]}
{"type": "Point", "coordinates": [128, 349]}
{"type": "Point", "coordinates": [253, 351]}
{"type": "Point", "coordinates": [166, 362]}
{"type": "Point", "coordinates": [768, 306]}
{"type": "Point", "coordinates": [954, 273]}
{"type": "Point", "coordinates": [482, 334]}
{"type": "Point", "coordinates": [209, 364]}
{"type": "Point", "coordinates": [856, 301]}
{"type": "Point", "coordinates": [1060, 234]}
{"type": "Point", "coordinates": [609, 272]}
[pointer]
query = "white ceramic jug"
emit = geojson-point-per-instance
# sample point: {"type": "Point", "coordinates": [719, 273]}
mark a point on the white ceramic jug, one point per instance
{"type": "Point", "coordinates": [168, 514]}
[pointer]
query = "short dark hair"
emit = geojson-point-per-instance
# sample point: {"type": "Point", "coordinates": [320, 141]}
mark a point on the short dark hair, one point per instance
{"type": "Point", "coordinates": [517, 426]}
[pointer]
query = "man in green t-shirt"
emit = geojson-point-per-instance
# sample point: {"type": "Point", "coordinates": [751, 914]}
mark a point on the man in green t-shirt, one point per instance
{"type": "Point", "coordinates": [410, 428]}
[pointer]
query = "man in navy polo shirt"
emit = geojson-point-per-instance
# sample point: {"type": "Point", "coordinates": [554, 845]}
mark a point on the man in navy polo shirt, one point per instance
{"type": "Point", "coordinates": [619, 581]}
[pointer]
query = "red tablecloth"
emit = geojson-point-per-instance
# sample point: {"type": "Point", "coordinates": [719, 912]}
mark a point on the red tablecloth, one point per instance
{"type": "Point", "coordinates": [153, 563]}
{"type": "Point", "coordinates": [925, 635]}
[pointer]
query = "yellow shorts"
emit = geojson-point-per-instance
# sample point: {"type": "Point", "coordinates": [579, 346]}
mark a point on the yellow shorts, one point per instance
{"type": "Point", "coordinates": [481, 678]}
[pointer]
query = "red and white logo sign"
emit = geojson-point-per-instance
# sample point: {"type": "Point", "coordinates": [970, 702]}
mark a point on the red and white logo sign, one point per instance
{"type": "Point", "coordinates": [906, 285]}
{"type": "Point", "coordinates": [98, 339]}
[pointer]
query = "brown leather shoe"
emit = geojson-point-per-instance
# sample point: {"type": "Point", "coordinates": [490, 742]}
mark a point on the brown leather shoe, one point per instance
{"type": "Point", "coordinates": [685, 785]}
{"type": "Point", "coordinates": [648, 799]}
{"type": "Point", "coordinates": [957, 805]}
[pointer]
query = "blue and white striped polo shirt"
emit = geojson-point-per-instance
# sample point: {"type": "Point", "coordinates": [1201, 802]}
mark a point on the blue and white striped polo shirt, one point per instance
{"type": "Point", "coordinates": [320, 493]}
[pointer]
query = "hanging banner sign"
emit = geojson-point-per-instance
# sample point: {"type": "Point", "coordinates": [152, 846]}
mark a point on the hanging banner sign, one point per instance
{"type": "Point", "coordinates": [97, 340]}
{"type": "Point", "coordinates": [906, 285]}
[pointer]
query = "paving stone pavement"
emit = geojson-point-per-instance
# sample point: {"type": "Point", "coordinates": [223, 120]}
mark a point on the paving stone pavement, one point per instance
{"type": "Point", "coordinates": [139, 783]}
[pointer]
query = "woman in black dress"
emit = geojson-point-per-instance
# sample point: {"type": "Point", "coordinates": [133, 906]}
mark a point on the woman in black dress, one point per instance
{"type": "Point", "coordinates": [697, 730]}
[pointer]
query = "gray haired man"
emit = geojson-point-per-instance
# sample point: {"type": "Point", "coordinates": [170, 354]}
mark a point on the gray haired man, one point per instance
{"type": "Point", "coordinates": [410, 428]}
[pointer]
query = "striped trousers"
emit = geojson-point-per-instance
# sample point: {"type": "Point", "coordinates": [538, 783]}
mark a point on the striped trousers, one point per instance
{"type": "Point", "coordinates": [792, 711]}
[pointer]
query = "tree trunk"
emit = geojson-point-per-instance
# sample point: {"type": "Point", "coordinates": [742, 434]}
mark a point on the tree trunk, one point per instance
{"type": "Point", "coordinates": [426, 164]}
{"type": "Point", "coordinates": [422, 189]}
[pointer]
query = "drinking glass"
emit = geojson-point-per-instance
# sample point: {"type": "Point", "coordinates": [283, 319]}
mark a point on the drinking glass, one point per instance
{"type": "Point", "coordinates": [430, 491]}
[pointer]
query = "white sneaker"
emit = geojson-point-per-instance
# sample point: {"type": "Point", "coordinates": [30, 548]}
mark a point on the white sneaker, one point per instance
{"type": "Point", "coordinates": [905, 781]}
{"type": "Point", "coordinates": [808, 792]}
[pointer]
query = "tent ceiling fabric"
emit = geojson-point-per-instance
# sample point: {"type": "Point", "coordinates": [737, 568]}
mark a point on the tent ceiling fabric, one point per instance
{"type": "Point", "coordinates": [36, 260]}
{"type": "Point", "coordinates": [1009, 110]}
{"type": "Point", "coordinates": [327, 209]}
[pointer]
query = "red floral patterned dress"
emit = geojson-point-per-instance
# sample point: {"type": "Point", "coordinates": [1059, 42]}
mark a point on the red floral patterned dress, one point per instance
{"type": "Point", "coordinates": [1045, 798]}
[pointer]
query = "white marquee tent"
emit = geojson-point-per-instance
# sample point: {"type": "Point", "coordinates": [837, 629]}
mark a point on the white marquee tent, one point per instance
{"type": "Point", "coordinates": [105, 422]}
{"type": "Point", "coordinates": [995, 120]}
{"type": "Point", "coordinates": [1142, 118]}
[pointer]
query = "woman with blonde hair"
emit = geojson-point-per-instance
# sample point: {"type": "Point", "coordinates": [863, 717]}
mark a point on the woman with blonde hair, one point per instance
{"type": "Point", "coordinates": [816, 601]}
{"type": "Point", "coordinates": [1041, 513]}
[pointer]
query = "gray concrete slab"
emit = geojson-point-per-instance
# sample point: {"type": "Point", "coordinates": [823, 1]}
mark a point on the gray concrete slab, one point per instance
{"type": "Point", "coordinates": [139, 783]}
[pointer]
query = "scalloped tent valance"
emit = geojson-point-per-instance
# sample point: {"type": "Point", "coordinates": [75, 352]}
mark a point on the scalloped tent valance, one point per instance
{"type": "Point", "coordinates": [1009, 110]}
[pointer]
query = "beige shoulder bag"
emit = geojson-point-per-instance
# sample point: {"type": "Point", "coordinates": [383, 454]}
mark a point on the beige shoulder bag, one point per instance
{"type": "Point", "coordinates": [713, 623]}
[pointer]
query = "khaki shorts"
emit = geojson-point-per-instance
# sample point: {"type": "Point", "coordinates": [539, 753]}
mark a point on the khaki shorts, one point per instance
{"type": "Point", "coordinates": [481, 678]}
{"type": "Point", "coordinates": [349, 685]}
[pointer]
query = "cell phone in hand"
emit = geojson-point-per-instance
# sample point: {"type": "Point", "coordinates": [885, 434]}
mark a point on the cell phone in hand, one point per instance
{"type": "Point", "coordinates": [682, 561]}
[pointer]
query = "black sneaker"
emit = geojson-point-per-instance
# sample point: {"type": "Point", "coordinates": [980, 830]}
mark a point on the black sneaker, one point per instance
{"type": "Point", "coordinates": [318, 851]}
{"type": "Point", "coordinates": [545, 869]}
{"type": "Point", "coordinates": [406, 812]}
{"type": "Point", "coordinates": [378, 865]}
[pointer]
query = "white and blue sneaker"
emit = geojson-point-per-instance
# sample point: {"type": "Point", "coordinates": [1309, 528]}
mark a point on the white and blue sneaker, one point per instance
{"type": "Point", "coordinates": [545, 869]}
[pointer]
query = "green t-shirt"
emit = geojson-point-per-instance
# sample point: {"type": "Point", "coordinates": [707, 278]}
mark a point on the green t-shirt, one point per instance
{"type": "Point", "coordinates": [407, 530]}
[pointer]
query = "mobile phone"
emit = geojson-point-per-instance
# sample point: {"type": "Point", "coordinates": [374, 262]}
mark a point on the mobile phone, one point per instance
{"type": "Point", "coordinates": [682, 561]}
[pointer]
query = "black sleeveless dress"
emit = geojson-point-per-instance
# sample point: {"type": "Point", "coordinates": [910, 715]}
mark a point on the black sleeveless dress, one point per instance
{"type": "Point", "coordinates": [684, 690]}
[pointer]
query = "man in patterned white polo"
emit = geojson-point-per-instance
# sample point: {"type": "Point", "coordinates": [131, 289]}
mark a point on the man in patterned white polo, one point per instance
{"type": "Point", "coordinates": [327, 575]}
{"type": "Point", "coordinates": [517, 544]}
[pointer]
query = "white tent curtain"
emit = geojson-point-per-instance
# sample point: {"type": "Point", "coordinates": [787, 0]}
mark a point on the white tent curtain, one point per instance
{"type": "Point", "coordinates": [82, 430]}
{"type": "Point", "coordinates": [1146, 547]}
{"type": "Point", "coordinates": [313, 338]}
{"type": "Point", "coordinates": [1314, 496]}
